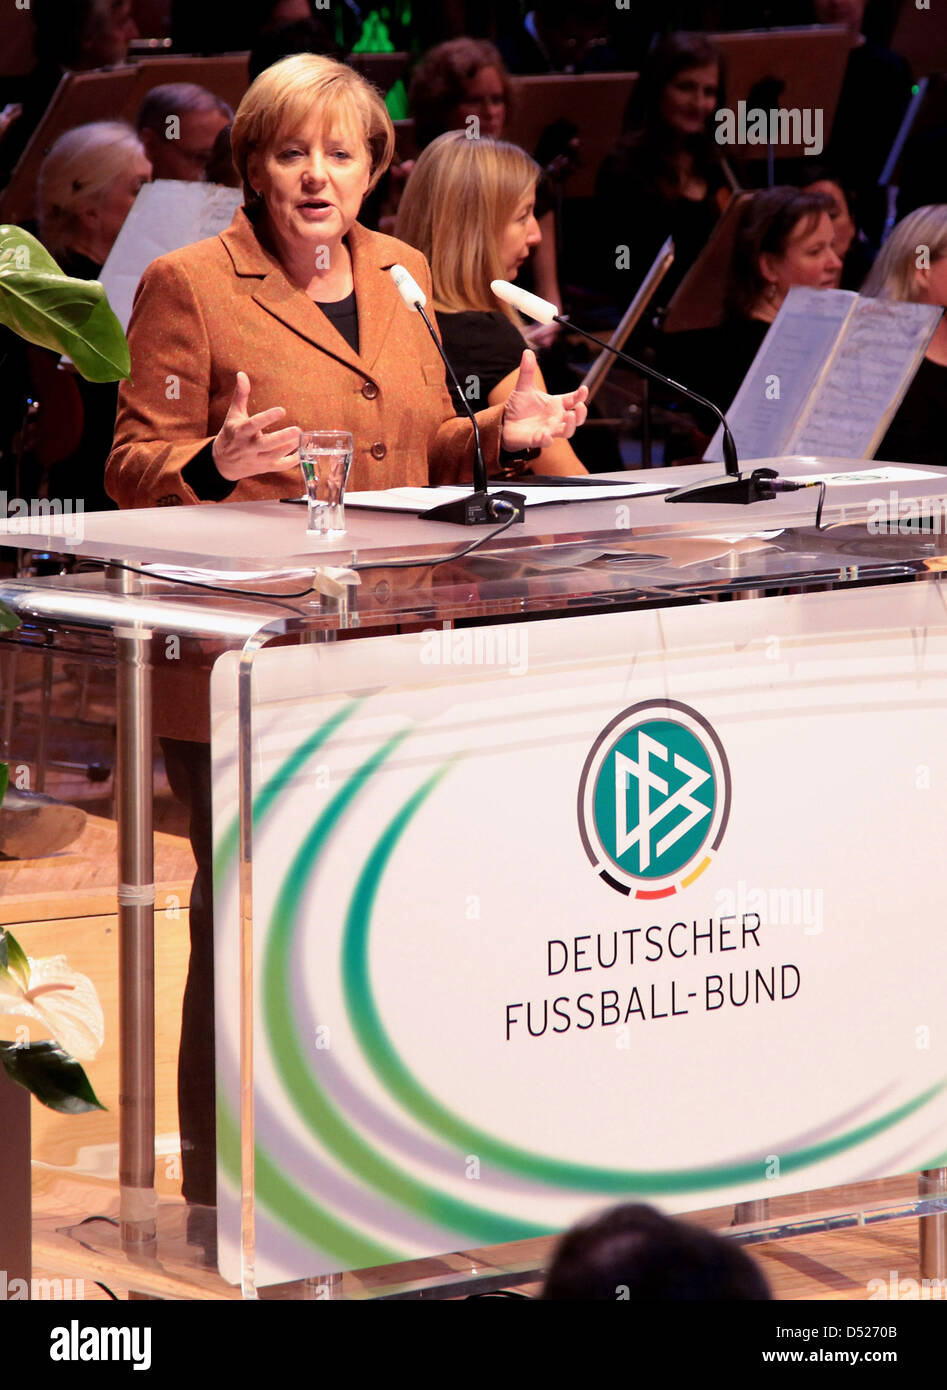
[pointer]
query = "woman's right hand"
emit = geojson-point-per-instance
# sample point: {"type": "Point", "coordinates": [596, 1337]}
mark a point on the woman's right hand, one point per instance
{"type": "Point", "coordinates": [241, 449]}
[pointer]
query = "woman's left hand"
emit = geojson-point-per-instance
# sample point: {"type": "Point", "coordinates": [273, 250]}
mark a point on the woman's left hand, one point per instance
{"type": "Point", "coordinates": [532, 419]}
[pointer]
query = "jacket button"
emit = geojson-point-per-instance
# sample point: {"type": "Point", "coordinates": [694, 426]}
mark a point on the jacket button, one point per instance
{"type": "Point", "coordinates": [379, 450]}
{"type": "Point", "coordinates": [369, 390]}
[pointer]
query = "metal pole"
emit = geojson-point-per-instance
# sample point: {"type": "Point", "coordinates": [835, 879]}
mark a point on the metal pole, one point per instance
{"type": "Point", "coordinates": [932, 1230]}
{"type": "Point", "coordinates": [134, 791]}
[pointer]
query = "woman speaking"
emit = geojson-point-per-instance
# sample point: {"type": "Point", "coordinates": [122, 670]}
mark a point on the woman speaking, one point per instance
{"type": "Point", "coordinates": [289, 320]}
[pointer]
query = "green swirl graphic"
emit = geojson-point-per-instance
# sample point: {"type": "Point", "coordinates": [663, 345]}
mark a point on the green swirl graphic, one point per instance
{"type": "Point", "coordinates": [387, 1065]}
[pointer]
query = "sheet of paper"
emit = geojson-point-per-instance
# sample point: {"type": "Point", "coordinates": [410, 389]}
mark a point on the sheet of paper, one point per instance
{"type": "Point", "coordinates": [166, 214]}
{"type": "Point", "coordinates": [784, 372]}
{"type": "Point", "coordinates": [890, 473]}
{"type": "Point", "coordinates": [210, 576]}
{"type": "Point", "coordinates": [421, 499]}
{"type": "Point", "coordinates": [879, 353]}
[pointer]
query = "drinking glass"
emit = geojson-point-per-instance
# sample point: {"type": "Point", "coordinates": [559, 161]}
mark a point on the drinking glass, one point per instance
{"type": "Point", "coordinates": [325, 457]}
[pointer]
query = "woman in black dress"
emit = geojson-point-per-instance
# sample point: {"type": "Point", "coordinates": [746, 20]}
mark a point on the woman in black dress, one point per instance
{"type": "Point", "coordinates": [912, 267]}
{"type": "Point", "coordinates": [469, 206]}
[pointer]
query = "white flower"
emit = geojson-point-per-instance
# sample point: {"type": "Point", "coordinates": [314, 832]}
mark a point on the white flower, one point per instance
{"type": "Point", "coordinates": [61, 999]}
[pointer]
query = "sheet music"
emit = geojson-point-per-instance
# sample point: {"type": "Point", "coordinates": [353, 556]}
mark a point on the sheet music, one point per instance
{"type": "Point", "coordinates": [790, 360]}
{"type": "Point", "coordinates": [167, 214]}
{"type": "Point", "coordinates": [880, 351]}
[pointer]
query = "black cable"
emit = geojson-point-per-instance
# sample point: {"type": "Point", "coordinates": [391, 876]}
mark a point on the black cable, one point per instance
{"type": "Point", "coordinates": [414, 563]}
{"type": "Point", "coordinates": [443, 559]}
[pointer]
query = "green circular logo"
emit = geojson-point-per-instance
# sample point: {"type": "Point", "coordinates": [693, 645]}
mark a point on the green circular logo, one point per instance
{"type": "Point", "coordinates": [654, 799]}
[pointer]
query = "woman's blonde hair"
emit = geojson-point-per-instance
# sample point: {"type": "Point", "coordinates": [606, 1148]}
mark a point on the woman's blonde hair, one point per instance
{"type": "Point", "coordinates": [286, 94]}
{"type": "Point", "coordinates": [82, 164]}
{"type": "Point", "coordinates": [460, 197]}
{"type": "Point", "coordinates": [893, 275]}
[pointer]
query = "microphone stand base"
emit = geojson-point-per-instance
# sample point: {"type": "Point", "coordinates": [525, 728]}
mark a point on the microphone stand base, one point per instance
{"type": "Point", "coordinates": [477, 509]}
{"type": "Point", "coordinates": [738, 489]}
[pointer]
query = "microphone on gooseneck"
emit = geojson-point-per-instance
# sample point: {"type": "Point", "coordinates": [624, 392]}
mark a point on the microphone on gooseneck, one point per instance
{"type": "Point", "coordinates": [736, 487]}
{"type": "Point", "coordinates": [480, 508]}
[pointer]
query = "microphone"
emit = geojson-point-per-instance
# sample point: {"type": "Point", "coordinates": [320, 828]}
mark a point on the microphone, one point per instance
{"type": "Point", "coordinates": [736, 487]}
{"type": "Point", "coordinates": [481, 507]}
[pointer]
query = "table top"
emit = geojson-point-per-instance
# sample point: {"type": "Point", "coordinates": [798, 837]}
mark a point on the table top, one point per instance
{"type": "Point", "coordinates": [247, 538]}
{"type": "Point", "coordinates": [240, 566]}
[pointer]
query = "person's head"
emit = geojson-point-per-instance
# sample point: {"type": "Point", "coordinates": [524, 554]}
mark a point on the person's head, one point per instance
{"type": "Point", "coordinates": [912, 264]}
{"type": "Point", "coordinates": [851, 13]}
{"type": "Point", "coordinates": [486, 187]}
{"type": "Point", "coordinates": [679, 89]}
{"type": "Point", "coordinates": [456, 82]}
{"type": "Point", "coordinates": [637, 1254]}
{"type": "Point", "coordinates": [821, 179]}
{"type": "Point", "coordinates": [784, 240]}
{"type": "Point", "coordinates": [86, 186]}
{"type": "Point", "coordinates": [310, 138]}
{"type": "Point", "coordinates": [83, 34]}
{"type": "Point", "coordinates": [178, 124]}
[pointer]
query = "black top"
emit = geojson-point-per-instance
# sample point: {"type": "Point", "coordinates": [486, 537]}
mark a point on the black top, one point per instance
{"type": "Point", "coordinates": [918, 432]}
{"type": "Point", "coordinates": [343, 315]}
{"type": "Point", "coordinates": [482, 347]}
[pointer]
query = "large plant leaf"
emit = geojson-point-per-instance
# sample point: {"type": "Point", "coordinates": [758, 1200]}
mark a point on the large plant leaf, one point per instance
{"type": "Point", "coordinates": [55, 1079]}
{"type": "Point", "coordinates": [57, 311]}
{"type": "Point", "coordinates": [8, 619]}
{"type": "Point", "coordinates": [13, 959]}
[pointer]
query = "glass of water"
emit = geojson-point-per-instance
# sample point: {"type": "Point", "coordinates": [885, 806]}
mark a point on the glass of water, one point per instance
{"type": "Point", "coordinates": [325, 457]}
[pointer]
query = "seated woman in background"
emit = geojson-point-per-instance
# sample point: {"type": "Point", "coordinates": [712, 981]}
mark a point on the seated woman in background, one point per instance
{"type": "Point", "coordinates": [918, 432]}
{"type": "Point", "coordinates": [785, 239]}
{"type": "Point", "coordinates": [463, 81]}
{"type": "Point", "coordinates": [666, 176]}
{"type": "Point", "coordinates": [85, 190]}
{"type": "Point", "coordinates": [469, 208]}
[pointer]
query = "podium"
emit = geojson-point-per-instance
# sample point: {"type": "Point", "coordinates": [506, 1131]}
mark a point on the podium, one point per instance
{"type": "Point", "coordinates": [427, 845]}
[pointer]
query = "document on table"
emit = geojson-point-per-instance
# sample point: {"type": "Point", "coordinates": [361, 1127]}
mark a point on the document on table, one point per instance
{"type": "Point", "coordinates": [421, 499]}
{"type": "Point", "coordinates": [828, 377]}
{"type": "Point", "coordinates": [889, 473]}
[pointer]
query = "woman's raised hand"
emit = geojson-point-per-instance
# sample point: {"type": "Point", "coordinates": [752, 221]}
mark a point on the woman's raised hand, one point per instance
{"type": "Point", "coordinates": [532, 418]}
{"type": "Point", "coordinates": [242, 450]}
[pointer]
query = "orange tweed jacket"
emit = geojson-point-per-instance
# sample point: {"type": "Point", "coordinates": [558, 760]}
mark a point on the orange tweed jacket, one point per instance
{"type": "Point", "coordinates": [222, 305]}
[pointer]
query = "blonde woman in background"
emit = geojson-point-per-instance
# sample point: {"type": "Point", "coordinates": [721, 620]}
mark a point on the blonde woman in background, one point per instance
{"type": "Point", "coordinates": [468, 207]}
{"type": "Point", "coordinates": [87, 184]}
{"type": "Point", "coordinates": [85, 190]}
{"type": "Point", "coordinates": [912, 268]}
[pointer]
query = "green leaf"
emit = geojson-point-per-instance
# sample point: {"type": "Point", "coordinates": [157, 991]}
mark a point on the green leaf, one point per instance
{"type": "Point", "coordinates": [8, 619]}
{"type": "Point", "coordinates": [57, 311]}
{"type": "Point", "coordinates": [4, 780]}
{"type": "Point", "coordinates": [12, 956]}
{"type": "Point", "coordinates": [55, 1079]}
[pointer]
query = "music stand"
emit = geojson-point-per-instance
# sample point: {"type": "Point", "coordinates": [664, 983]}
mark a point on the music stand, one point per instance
{"type": "Point", "coordinates": [698, 300]}
{"type": "Point", "coordinates": [796, 69]}
{"type": "Point", "coordinates": [224, 74]}
{"type": "Point", "coordinates": [921, 38]}
{"type": "Point", "coordinates": [595, 102]}
{"type": "Point", "coordinates": [80, 97]}
{"type": "Point", "coordinates": [383, 70]}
